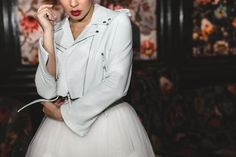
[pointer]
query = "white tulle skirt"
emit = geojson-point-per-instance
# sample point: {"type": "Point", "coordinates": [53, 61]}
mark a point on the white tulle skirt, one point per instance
{"type": "Point", "coordinates": [117, 132]}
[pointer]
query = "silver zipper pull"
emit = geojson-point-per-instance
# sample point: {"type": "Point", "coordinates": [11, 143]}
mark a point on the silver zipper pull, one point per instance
{"type": "Point", "coordinates": [69, 98]}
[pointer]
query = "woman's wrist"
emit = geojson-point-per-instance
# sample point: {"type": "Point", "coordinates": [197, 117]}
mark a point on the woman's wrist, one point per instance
{"type": "Point", "coordinates": [48, 41]}
{"type": "Point", "coordinates": [48, 31]}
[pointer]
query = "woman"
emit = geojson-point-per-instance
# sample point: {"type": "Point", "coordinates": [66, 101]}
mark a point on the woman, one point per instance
{"type": "Point", "coordinates": [86, 60]}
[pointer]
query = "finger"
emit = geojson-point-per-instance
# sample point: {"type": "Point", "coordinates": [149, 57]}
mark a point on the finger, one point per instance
{"type": "Point", "coordinates": [46, 111]}
{"type": "Point", "coordinates": [46, 13]}
{"type": "Point", "coordinates": [50, 107]}
{"type": "Point", "coordinates": [59, 104]}
{"type": "Point", "coordinates": [57, 101]}
{"type": "Point", "coordinates": [47, 105]}
{"type": "Point", "coordinates": [45, 6]}
{"type": "Point", "coordinates": [46, 108]}
{"type": "Point", "coordinates": [49, 10]}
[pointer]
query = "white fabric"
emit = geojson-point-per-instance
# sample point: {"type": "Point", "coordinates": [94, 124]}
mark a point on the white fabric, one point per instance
{"type": "Point", "coordinates": [95, 67]}
{"type": "Point", "coordinates": [117, 132]}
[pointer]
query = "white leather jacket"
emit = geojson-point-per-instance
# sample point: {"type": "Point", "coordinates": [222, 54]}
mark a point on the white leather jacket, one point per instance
{"type": "Point", "coordinates": [95, 67]}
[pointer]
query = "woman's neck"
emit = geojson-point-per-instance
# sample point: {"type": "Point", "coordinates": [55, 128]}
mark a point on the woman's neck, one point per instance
{"type": "Point", "coordinates": [78, 26]}
{"type": "Point", "coordinates": [85, 20]}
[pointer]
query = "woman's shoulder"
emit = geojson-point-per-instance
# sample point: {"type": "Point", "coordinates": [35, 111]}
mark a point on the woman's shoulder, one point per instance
{"type": "Point", "coordinates": [101, 8]}
{"type": "Point", "coordinates": [123, 15]}
{"type": "Point", "coordinates": [112, 15]}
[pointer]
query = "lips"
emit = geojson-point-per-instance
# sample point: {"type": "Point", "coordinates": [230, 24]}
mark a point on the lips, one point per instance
{"type": "Point", "coordinates": [75, 12]}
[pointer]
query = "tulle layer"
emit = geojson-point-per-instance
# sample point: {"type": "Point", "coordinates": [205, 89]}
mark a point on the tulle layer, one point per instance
{"type": "Point", "coordinates": [117, 132]}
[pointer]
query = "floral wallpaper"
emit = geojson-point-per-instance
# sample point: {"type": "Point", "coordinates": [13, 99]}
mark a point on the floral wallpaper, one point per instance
{"type": "Point", "coordinates": [214, 27]}
{"type": "Point", "coordinates": [30, 31]}
{"type": "Point", "coordinates": [143, 17]}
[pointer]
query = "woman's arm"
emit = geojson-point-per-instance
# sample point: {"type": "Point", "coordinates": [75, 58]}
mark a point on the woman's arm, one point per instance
{"type": "Point", "coordinates": [46, 18]}
{"type": "Point", "coordinates": [48, 44]}
{"type": "Point", "coordinates": [46, 72]}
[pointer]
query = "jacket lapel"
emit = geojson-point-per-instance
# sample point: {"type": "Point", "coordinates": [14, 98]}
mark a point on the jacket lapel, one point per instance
{"type": "Point", "coordinates": [63, 34]}
{"type": "Point", "coordinates": [98, 18]}
{"type": "Point", "coordinates": [89, 31]}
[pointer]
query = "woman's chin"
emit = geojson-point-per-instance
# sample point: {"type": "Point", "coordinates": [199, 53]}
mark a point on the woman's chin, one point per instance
{"type": "Point", "coordinates": [76, 18]}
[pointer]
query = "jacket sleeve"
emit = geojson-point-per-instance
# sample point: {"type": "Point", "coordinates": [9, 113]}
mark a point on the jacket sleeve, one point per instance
{"type": "Point", "coordinates": [82, 113]}
{"type": "Point", "coordinates": [45, 82]}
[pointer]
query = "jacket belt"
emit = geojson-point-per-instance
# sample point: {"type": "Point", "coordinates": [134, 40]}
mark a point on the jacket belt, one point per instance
{"type": "Point", "coordinates": [68, 99]}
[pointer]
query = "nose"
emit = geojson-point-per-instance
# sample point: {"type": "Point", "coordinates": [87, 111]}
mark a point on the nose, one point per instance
{"type": "Point", "coordinates": [74, 3]}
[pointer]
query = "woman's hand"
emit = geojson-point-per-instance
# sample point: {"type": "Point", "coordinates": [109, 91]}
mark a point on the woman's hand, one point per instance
{"type": "Point", "coordinates": [46, 17]}
{"type": "Point", "coordinates": [52, 110]}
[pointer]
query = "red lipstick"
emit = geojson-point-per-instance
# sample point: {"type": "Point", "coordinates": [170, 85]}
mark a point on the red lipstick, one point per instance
{"type": "Point", "coordinates": [75, 12]}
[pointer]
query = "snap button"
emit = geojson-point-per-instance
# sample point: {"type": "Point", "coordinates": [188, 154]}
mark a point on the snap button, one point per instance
{"type": "Point", "coordinates": [97, 31]}
{"type": "Point", "coordinates": [109, 19]}
{"type": "Point", "coordinates": [104, 22]}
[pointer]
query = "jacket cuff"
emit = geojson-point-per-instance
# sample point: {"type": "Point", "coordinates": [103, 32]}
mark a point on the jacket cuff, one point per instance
{"type": "Point", "coordinates": [74, 124]}
{"type": "Point", "coordinates": [43, 58]}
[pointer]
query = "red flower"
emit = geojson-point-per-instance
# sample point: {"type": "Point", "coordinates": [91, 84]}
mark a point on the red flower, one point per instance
{"type": "Point", "coordinates": [29, 24]}
{"type": "Point", "coordinates": [148, 48]}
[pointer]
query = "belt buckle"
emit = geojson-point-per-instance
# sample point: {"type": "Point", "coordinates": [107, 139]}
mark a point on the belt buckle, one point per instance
{"type": "Point", "coordinates": [66, 98]}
